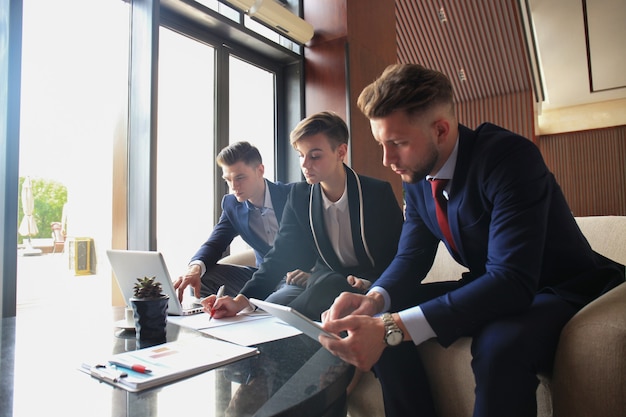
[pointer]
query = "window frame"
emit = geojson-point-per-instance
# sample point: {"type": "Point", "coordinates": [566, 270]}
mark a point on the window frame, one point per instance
{"type": "Point", "coordinates": [228, 37]}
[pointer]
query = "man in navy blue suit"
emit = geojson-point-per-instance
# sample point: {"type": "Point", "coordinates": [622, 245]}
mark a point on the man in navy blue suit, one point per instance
{"type": "Point", "coordinates": [253, 211]}
{"type": "Point", "coordinates": [530, 267]}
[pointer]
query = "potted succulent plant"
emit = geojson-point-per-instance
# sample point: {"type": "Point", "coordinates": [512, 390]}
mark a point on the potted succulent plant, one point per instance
{"type": "Point", "coordinates": [150, 311]}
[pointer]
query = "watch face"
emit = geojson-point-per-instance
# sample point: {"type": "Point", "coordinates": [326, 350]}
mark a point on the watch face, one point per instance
{"type": "Point", "coordinates": [394, 337]}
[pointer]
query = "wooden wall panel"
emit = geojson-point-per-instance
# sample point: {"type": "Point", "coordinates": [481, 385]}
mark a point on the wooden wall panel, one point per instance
{"type": "Point", "coordinates": [366, 154]}
{"type": "Point", "coordinates": [325, 74]}
{"type": "Point", "coordinates": [328, 17]}
{"type": "Point", "coordinates": [512, 111]}
{"type": "Point", "coordinates": [484, 38]}
{"type": "Point", "coordinates": [590, 166]}
{"type": "Point", "coordinates": [325, 57]}
{"type": "Point", "coordinates": [354, 41]}
{"type": "Point", "coordinates": [371, 48]}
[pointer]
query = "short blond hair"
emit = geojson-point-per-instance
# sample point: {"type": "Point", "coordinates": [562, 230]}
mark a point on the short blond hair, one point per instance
{"type": "Point", "coordinates": [327, 123]}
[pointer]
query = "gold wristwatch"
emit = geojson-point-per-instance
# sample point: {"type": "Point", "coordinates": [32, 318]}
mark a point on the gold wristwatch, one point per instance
{"type": "Point", "coordinates": [393, 334]}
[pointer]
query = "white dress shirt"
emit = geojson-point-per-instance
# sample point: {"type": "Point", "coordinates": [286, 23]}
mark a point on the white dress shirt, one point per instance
{"type": "Point", "coordinates": [337, 218]}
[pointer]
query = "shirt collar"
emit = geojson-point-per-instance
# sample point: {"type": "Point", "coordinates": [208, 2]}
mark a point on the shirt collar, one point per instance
{"type": "Point", "coordinates": [447, 170]}
{"type": "Point", "coordinates": [267, 201]}
{"type": "Point", "coordinates": [341, 204]}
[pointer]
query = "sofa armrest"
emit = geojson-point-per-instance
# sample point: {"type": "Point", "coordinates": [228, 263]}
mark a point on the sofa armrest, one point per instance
{"type": "Point", "coordinates": [589, 376]}
{"type": "Point", "coordinates": [245, 258]}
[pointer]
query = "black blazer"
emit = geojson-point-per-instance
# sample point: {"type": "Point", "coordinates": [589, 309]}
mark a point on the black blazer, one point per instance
{"type": "Point", "coordinates": [302, 241]}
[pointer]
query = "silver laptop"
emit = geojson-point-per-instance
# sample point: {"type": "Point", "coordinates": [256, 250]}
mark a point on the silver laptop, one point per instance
{"type": "Point", "coordinates": [128, 265]}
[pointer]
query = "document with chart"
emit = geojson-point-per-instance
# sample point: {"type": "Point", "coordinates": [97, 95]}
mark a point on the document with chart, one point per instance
{"type": "Point", "coordinates": [157, 365]}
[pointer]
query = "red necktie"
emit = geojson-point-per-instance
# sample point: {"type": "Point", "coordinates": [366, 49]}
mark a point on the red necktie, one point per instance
{"type": "Point", "coordinates": [441, 206]}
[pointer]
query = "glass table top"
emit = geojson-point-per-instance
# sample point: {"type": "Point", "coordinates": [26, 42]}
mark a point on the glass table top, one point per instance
{"type": "Point", "coordinates": [40, 360]}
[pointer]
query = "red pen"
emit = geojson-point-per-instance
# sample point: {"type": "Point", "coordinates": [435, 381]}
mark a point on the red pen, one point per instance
{"type": "Point", "coordinates": [220, 293]}
{"type": "Point", "coordinates": [135, 367]}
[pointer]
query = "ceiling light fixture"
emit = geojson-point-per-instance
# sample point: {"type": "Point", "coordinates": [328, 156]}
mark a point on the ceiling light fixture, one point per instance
{"type": "Point", "coordinates": [442, 15]}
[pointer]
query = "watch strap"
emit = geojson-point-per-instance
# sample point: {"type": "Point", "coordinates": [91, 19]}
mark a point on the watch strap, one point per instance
{"type": "Point", "coordinates": [391, 328]}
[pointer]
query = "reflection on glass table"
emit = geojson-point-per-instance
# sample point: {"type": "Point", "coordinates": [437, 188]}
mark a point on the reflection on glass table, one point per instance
{"type": "Point", "coordinates": [40, 360]}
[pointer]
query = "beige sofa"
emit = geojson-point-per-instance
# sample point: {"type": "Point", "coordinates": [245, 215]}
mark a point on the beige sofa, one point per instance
{"type": "Point", "coordinates": [589, 376]}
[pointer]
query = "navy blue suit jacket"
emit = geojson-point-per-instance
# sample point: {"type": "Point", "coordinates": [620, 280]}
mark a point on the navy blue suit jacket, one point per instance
{"type": "Point", "coordinates": [513, 230]}
{"type": "Point", "coordinates": [234, 222]}
{"type": "Point", "coordinates": [302, 241]}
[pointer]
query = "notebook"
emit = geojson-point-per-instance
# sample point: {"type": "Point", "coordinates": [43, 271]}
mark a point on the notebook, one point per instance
{"type": "Point", "coordinates": [128, 265]}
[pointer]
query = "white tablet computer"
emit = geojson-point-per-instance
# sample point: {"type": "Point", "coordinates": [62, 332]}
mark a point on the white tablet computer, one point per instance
{"type": "Point", "coordinates": [294, 318]}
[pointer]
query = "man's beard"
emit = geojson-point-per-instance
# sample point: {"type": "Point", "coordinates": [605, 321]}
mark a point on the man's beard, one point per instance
{"type": "Point", "coordinates": [419, 173]}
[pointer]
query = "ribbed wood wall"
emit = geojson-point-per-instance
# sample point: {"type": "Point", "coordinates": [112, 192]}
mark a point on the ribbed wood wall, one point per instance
{"type": "Point", "coordinates": [591, 168]}
{"type": "Point", "coordinates": [483, 39]}
{"type": "Point", "coordinates": [513, 111]}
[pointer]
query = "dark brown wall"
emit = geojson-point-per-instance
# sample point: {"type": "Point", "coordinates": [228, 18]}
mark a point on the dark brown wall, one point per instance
{"type": "Point", "coordinates": [354, 41]}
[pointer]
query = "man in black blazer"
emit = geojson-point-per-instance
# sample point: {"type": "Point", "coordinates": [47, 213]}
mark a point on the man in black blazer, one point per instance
{"type": "Point", "coordinates": [530, 267]}
{"type": "Point", "coordinates": [338, 223]}
{"type": "Point", "coordinates": [253, 210]}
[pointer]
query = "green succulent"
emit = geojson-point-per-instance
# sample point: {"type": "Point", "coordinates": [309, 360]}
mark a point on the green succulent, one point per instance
{"type": "Point", "coordinates": [147, 288]}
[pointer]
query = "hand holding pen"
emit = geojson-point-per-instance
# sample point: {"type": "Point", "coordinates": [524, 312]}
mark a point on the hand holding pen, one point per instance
{"type": "Point", "coordinates": [228, 306]}
{"type": "Point", "coordinates": [220, 293]}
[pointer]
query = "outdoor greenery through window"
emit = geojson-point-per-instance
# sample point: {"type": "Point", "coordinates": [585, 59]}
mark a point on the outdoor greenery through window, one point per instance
{"type": "Point", "coordinates": [73, 95]}
{"type": "Point", "coordinates": [74, 99]}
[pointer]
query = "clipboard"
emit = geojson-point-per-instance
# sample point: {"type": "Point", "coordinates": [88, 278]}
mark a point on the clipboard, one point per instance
{"type": "Point", "coordinates": [142, 369]}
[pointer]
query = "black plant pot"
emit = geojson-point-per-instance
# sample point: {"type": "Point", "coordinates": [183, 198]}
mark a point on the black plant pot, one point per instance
{"type": "Point", "coordinates": [150, 320]}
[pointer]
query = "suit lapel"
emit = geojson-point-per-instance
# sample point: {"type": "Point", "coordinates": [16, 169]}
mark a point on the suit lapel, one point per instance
{"type": "Point", "coordinates": [319, 227]}
{"type": "Point", "coordinates": [466, 142]}
{"type": "Point", "coordinates": [354, 205]}
{"type": "Point", "coordinates": [246, 233]}
{"type": "Point", "coordinates": [278, 199]}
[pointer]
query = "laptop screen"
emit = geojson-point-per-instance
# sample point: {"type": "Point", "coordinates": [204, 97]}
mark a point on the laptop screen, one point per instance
{"type": "Point", "coordinates": [128, 265]}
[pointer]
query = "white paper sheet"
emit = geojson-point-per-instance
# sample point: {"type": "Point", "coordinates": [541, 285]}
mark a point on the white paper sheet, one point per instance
{"type": "Point", "coordinates": [202, 320]}
{"type": "Point", "coordinates": [253, 332]}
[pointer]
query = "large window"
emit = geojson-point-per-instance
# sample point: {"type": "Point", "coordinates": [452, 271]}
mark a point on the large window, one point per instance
{"type": "Point", "coordinates": [74, 90]}
{"type": "Point", "coordinates": [187, 198]}
{"type": "Point", "coordinates": [252, 115]}
{"type": "Point", "coordinates": [216, 86]}
{"type": "Point", "coordinates": [252, 109]}
{"type": "Point", "coordinates": [185, 146]}
{"type": "Point", "coordinates": [217, 82]}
